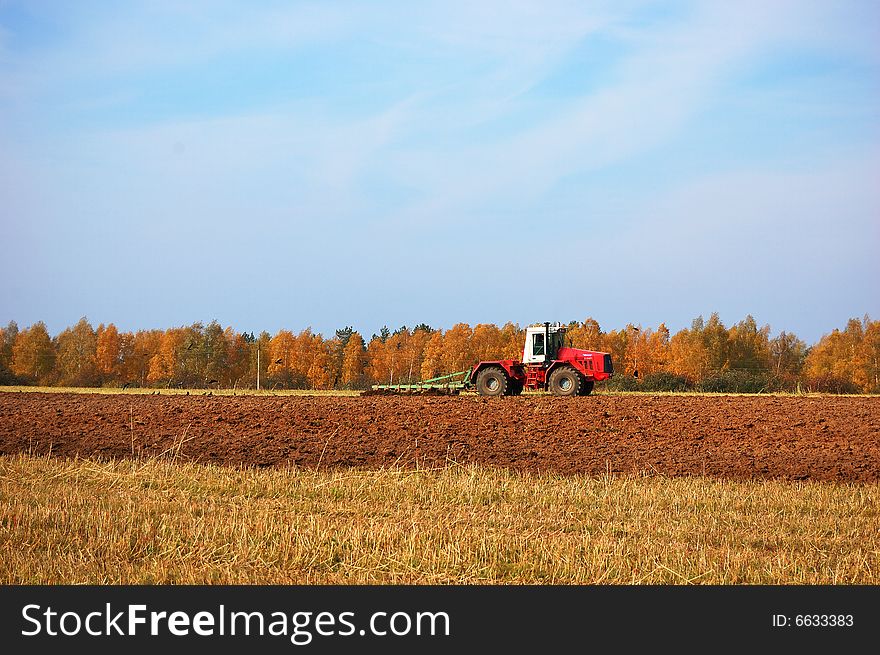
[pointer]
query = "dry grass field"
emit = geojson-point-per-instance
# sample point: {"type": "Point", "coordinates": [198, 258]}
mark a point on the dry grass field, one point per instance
{"type": "Point", "coordinates": [163, 520]}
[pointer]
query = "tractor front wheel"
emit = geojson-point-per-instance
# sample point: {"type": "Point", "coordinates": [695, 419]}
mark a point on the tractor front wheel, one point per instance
{"type": "Point", "coordinates": [565, 381]}
{"type": "Point", "coordinates": [492, 381]}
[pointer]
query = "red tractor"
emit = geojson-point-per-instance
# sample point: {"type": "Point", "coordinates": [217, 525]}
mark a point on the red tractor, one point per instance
{"type": "Point", "coordinates": [547, 364]}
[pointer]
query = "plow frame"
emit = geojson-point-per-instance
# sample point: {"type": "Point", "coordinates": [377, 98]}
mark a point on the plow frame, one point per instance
{"type": "Point", "coordinates": [452, 383]}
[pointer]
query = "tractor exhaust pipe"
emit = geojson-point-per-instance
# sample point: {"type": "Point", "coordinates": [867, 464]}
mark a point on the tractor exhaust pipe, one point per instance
{"type": "Point", "coordinates": [546, 342]}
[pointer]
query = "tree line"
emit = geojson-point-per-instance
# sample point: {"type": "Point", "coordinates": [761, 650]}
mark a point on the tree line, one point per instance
{"type": "Point", "coordinates": [706, 356]}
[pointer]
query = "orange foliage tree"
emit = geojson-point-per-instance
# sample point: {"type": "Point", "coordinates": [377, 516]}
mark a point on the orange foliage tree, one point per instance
{"type": "Point", "coordinates": [283, 353]}
{"type": "Point", "coordinates": [238, 353]}
{"type": "Point", "coordinates": [748, 346]}
{"type": "Point", "coordinates": [847, 360]}
{"type": "Point", "coordinates": [354, 361]}
{"type": "Point", "coordinates": [787, 355]}
{"type": "Point", "coordinates": [33, 354]}
{"type": "Point", "coordinates": [301, 361]}
{"type": "Point", "coordinates": [693, 352]}
{"type": "Point", "coordinates": [165, 365]}
{"type": "Point", "coordinates": [512, 341]}
{"type": "Point", "coordinates": [107, 351]}
{"type": "Point", "coordinates": [76, 355]}
{"type": "Point", "coordinates": [432, 358]}
{"type": "Point", "coordinates": [586, 335]}
{"type": "Point", "coordinates": [457, 352]}
{"type": "Point", "coordinates": [844, 360]}
{"type": "Point", "coordinates": [320, 374]}
{"type": "Point", "coordinates": [136, 351]}
{"type": "Point", "coordinates": [871, 355]}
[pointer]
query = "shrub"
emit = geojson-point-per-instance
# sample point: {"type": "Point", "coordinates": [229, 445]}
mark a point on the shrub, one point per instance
{"type": "Point", "coordinates": [8, 378]}
{"type": "Point", "coordinates": [735, 382]}
{"type": "Point", "coordinates": [832, 384]}
{"type": "Point", "coordinates": [663, 381]}
{"type": "Point", "coordinates": [621, 382]}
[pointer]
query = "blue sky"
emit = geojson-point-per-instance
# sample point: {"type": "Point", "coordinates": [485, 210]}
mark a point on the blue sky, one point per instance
{"type": "Point", "coordinates": [319, 164]}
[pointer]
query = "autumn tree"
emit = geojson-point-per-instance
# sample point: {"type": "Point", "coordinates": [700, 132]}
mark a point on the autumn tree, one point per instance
{"type": "Point", "coordinates": [871, 355]}
{"type": "Point", "coordinates": [412, 353]}
{"type": "Point", "coordinates": [513, 340]}
{"type": "Point", "coordinates": [124, 369]}
{"type": "Point", "coordinates": [353, 361]}
{"type": "Point", "coordinates": [432, 356]}
{"type": "Point", "coordinates": [846, 360]}
{"type": "Point", "coordinates": [688, 355]}
{"type": "Point", "coordinates": [283, 351]}
{"type": "Point", "coordinates": [320, 372]}
{"type": "Point", "coordinates": [107, 350]}
{"type": "Point", "coordinates": [647, 349]}
{"type": "Point", "coordinates": [292, 357]}
{"type": "Point", "coordinates": [136, 352]}
{"type": "Point", "coordinates": [393, 358]}
{"type": "Point", "coordinates": [748, 347]}
{"type": "Point", "coordinates": [8, 335]}
{"type": "Point", "coordinates": [657, 356]}
{"type": "Point", "coordinates": [787, 355]}
{"type": "Point", "coordinates": [260, 359]}
{"type": "Point", "coordinates": [165, 364]}
{"type": "Point", "coordinates": [190, 355]}
{"type": "Point", "coordinates": [216, 353]}
{"type": "Point", "coordinates": [457, 354]}
{"type": "Point", "coordinates": [835, 354]}
{"type": "Point", "coordinates": [378, 361]}
{"type": "Point", "coordinates": [707, 353]}
{"type": "Point", "coordinates": [854, 340]}
{"type": "Point", "coordinates": [617, 343]}
{"type": "Point", "coordinates": [486, 342]}
{"type": "Point", "coordinates": [586, 335]}
{"type": "Point", "coordinates": [716, 343]}
{"type": "Point", "coordinates": [76, 349]}
{"type": "Point", "coordinates": [341, 341]}
{"type": "Point", "coordinates": [33, 354]}
{"type": "Point", "coordinates": [238, 351]}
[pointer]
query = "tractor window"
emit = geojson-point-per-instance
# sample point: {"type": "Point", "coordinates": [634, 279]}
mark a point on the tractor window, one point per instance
{"type": "Point", "coordinates": [538, 344]}
{"type": "Point", "coordinates": [608, 368]}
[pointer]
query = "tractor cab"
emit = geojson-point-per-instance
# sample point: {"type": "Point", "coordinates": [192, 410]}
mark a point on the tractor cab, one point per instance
{"type": "Point", "coordinates": [543, 343]}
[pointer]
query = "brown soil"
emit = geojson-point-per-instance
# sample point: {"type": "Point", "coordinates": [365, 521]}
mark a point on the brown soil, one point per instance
{"type": "Point", "coordinates": [737, 437]}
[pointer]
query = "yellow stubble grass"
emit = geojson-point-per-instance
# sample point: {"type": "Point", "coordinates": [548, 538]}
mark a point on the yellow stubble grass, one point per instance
{"type": "Point", "coordinates": [167, 521]}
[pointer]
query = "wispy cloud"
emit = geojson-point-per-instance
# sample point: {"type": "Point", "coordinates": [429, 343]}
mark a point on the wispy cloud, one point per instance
{"type": "Point", "coordinates": [671, 75]}
{"type": "Point", "coordinates": [438, 127]}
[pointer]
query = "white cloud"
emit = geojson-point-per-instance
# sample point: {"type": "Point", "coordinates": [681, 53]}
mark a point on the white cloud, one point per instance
{"type": "Point", "coordinates": [671, 74]}
{"type": "Point", "coordinates": [134, 38]}
{"type": "Point", "coordinates": [460, 126]}
{"type": "Point", "coordinates": [780, 244]}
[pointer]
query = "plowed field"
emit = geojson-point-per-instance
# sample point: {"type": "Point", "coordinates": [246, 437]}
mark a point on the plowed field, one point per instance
{"type": "Point", "coordinates": [736, 437]}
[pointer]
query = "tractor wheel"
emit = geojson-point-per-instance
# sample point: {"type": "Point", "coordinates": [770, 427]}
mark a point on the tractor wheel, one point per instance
{"type": "Point", "coordinates": [586, 387]}
{"type": "Point", "coordinates": [492, 381]}
{"type": "Point", "coordinates": [516, 387]}
{"type": "Point", "coordinates": [565, 381]}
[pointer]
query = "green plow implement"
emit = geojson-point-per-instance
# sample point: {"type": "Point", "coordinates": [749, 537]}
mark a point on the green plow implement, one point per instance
{"type": "Point", "coordinates": [445, 384]}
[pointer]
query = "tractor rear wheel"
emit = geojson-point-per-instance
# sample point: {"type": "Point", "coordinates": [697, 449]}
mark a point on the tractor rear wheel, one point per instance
{"type": "Point", "coordinates": [492, 381]}
{"type": "Point", "coordinates": [565, 381]}
{"type": "Point", "coordinates": [586, 387]}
